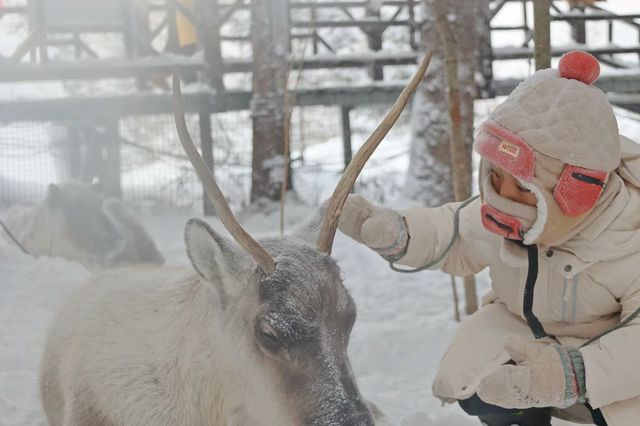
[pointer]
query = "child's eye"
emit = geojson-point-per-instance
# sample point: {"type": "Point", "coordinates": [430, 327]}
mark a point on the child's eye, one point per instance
{"type": "Point", "coordinates": [522, 189]}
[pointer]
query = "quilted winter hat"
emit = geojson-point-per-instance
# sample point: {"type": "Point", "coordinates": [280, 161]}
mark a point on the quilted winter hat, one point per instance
{"type": "Point", "coordinates": [558, 135]}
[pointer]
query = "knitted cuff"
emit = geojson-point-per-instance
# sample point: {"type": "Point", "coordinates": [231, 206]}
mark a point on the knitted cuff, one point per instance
{"type": "Point", "coordinates": [396, 250]}
{"type": "Point", "coordinates": [572, 386]}
{"type": "Point", "coordinates": [578, 369]}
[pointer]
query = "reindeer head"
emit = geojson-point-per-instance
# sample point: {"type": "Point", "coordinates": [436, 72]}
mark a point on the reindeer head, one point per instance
{"type": "Point", "coordinates": [287, 295]}
{"type": "Point", "coordinates": [294, 324]}
{"type": "Point", "coordinates": [71, 223]}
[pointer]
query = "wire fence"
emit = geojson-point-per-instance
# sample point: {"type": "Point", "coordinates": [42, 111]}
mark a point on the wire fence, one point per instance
{"type": "Point", "coordinates": [152, 167]}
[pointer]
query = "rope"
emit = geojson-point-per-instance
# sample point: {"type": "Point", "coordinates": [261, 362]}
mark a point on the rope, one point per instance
{"type": "Point", "coordinates": [14, 238]}
{"type": "Point", "coordinates": [614, 328]}
{"type": "Point", "coordinates": [456, 227]}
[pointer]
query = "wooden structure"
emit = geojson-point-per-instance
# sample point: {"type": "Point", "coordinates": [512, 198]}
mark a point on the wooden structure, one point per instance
{"type": "Point", "coordinates": [274, 39]}
{"type": "Point", "coordinates": [137, 62]}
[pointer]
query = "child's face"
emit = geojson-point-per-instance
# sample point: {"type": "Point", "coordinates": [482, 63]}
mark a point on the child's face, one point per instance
{"type": "Point", "coordinates": [509, 187]}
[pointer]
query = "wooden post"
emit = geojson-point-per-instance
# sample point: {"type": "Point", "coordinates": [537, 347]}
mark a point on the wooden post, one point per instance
{"type": "Point", "coordinates": [206, 146]}
{"type": "Point", "coordinates": [36, 13]}
{"type": "Point", "coordinates": [72, 154]}
{"type": "Point", "coordinates": [456, 302]}
{"type": "Point", "coordinates": [208, 26]}
{"type": "Point", "coordinates": [130, 34]}
{"type": "Point", "coordinates": [374, 37]}
{"type": "Point", "coordinates": [271, 47]}
{"type": "Point", "coordinates": [525, 23]}
{"type": "Point", "coordinates": [578, 27]}
{"type": "Point", "coordinates": [346, 135]}
{"type": "Point", "coordinates": [113, 171]}
{"type": "Point", "coordinates": [301, 134]}
{"type": "Point", "coordinates": [32, 26]}
{"type": "Point", "coordinates": [412, 25]}
{"type": "Point", "coordinates": [542, 33]}
{"type": "Point", "coordinates": [77, 49]}
{"type": "Point", "coordinates": [172, 44]}
{"type": "Point", "coordinates": [638, 41]}
{"type": "Point", "coordinates": [460, 157]}
{"type": "Point", "coordinates": [484, 50]}
{"type": "Point", "coordinates": [314, 32]}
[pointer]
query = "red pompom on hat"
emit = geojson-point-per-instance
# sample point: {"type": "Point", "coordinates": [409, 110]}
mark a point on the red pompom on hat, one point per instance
{"type": "Point", "coordinates": [579, 65]}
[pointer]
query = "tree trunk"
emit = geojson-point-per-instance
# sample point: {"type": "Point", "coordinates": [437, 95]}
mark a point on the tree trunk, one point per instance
{"type": "Point", "coordinates": [484, 53]}
{"type": "Point", "coordinates": [460, 154]}
{"type": "Point", "coordinates": [270, 43]}
{"type": "Point", "coordinates": [542, 33]}
{"type": "Point", "coordinates": [429, 178]}
{"type": "Point", "coordinates": [441, 119]}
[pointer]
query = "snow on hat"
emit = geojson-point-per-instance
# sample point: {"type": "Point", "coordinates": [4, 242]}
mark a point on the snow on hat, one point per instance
{"type": "Point", "coordinates": [552, 119]}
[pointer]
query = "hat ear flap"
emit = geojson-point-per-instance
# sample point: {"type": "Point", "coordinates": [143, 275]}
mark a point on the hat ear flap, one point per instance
{"type": "Point", "coordinates": [578, 189]}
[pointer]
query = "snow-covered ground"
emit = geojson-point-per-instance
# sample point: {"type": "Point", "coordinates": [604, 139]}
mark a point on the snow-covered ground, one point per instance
{"type": "Point", "coordinates": [404, 321]}
{"type": "Point", "coordinates": [403, 326]}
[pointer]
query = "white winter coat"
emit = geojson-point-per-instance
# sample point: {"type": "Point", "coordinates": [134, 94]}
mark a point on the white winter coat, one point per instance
{"type": "Point", "coordinates": [584, 286]}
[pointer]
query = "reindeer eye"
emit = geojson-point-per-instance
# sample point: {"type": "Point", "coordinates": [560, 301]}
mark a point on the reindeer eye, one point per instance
{"type": "Point", "coordinates": [268, 337]}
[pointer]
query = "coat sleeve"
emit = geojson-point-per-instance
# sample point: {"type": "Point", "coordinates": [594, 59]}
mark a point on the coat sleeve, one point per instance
{"type": "Point", "coordinates": [431, 230]}
{"type": "Point", "coordinates": [612, 363]}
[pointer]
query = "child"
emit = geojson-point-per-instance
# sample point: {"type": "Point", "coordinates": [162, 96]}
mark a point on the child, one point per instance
{"type": "Point", "coordinates": [557, 223]}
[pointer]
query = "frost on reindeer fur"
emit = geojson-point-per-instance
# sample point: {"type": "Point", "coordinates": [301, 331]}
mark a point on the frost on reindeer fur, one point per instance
{"type": "Point", "coordinates": [270, 349]}
{"type": "Point", "coordinates": [409, 321]}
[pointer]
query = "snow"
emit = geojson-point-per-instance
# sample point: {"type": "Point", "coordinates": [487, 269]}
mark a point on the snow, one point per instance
{"type": "Point", "coordinates": [30, 292]}
{"type": "Point", "coordinates": [404, 320]}
{"type": "Point", "coordinates": [403, 326]}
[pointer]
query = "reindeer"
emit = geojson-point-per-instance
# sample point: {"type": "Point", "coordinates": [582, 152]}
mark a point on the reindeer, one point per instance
{"type": "Point", "coordinates": [75, 222]}
{"type": "Point", "coordinates": [255, 334]}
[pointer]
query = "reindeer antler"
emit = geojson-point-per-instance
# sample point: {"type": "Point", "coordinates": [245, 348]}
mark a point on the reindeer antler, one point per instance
{"type": "Point", "coordinates": [339, 196]}
{"type": "Point", "coordinates": [264, 259]}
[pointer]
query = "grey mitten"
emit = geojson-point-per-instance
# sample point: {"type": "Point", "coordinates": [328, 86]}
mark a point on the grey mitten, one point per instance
{"type": "Point", "coordinates": [381, 229]}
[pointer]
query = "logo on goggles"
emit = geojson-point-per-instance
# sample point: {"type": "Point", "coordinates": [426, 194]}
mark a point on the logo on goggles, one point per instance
{"type": "Point", "coordinates": [509, 148]}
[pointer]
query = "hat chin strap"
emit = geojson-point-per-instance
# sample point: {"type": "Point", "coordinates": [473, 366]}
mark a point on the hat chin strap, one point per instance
{"type": "Point", "coordinates": [536, 230]}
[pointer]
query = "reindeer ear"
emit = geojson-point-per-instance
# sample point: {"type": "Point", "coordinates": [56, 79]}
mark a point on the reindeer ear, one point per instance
{"type": "Point", "coordinates": [98, 187]}
{"type": "Point", "coordinates": [214, 257]}
{"type": "Point", "coordinates": [53, 194]}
